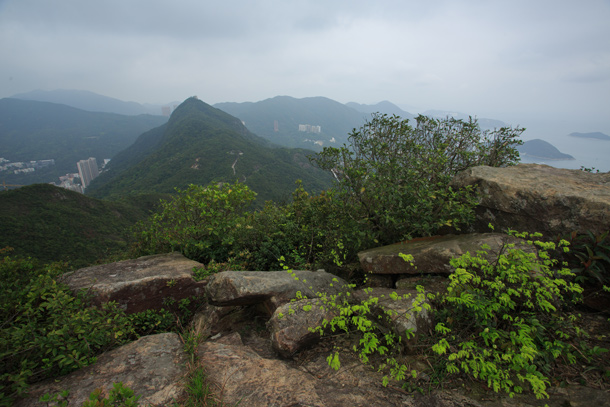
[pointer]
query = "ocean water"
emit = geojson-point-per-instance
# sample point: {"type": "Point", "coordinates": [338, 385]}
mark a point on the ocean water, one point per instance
{"type": "Point", "coordinates": [589, 153]}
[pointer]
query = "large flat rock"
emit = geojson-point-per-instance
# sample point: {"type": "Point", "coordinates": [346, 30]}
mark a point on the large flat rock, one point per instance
{"type": "Point", "coordinates": [270, 288]}
{"type": "Point", "coordinates": [139, 284]}
{"type": "Point", "coordinates": [152, 367]}
{"type": "Point", "coordinates": [539, 198]}
{"type": "Point", "coordinates": [430, 255]}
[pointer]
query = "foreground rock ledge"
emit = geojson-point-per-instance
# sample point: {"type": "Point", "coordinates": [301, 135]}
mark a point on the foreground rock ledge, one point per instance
{"type": "Point", "coordinates": [139, 284]}
{"type": "Point", "coordinates": [539, 198]}
{"type": "Point", "coordinates": [152, 367]}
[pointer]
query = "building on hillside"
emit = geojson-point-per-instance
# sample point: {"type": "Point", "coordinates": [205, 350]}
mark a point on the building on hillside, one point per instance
{"type": "Point", "coordinates": [87, 171]}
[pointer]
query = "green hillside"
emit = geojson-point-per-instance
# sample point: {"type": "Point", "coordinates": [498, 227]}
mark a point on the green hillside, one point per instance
{"type": "Point", "coordinates": [335, 119]}
{"type": "Point", "coordinates": [201, 144]}
{"type": "Point", "coordinates": [52, 224]}
{"type": "Point", "coordinates": [31, 130]}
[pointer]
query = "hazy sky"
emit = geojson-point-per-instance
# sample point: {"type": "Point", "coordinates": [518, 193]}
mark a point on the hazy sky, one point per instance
{"type": "Point", "coordinates": [510, 60]}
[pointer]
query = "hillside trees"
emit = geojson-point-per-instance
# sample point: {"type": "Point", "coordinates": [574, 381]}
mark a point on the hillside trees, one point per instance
{"type": "Point", "coordinates": [396, 176]}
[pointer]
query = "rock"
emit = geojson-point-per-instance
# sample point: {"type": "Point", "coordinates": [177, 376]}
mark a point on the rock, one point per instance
{"type": "Point", "coordinates": [539, 198]}
{"type": "Point", "coordinates": [289, 325]}
{"type": "Point", "coordinates": [152, 367]}
{"type": "Point", "coordinates": [430, 255]}
{"type": "Point", "coordinates": [240, 376]}
{"type": "Point", "coordinates": [270, 288]}
{"type": "Point", "coordinates": [406, 312]}
{"type": "Point", "coordinates": [206, 322]}
{"type": "Point", "coordinates": [139, 284]}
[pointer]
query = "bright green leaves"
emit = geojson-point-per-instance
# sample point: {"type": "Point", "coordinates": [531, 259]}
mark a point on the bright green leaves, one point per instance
{"type": "Point", "coordinates": [505, 310]}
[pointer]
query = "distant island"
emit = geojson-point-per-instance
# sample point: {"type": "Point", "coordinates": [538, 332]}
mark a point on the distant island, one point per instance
{"type": "Point", "coordinates": [541, 149]}
{"type": "Point", "coordinates": [596, 135]}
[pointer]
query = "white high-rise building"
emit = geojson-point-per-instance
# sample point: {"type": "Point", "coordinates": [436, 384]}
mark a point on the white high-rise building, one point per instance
{"type": "Point", "coordinates": [87, 171]}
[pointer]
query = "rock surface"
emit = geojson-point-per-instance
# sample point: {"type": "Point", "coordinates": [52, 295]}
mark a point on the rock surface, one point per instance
{"type": "Point", "coordinates": [289, 325]}
{"type": "Point", "coordinates": [152, 367]}
{"type": "Point", "coordinates": [270, 288]}
{"type": "Point", "coordinates": [430, 255]}
{"type": "Point", "coordinates": [139, 284]}
{"type": "Point", "coordinates": [539, 198]}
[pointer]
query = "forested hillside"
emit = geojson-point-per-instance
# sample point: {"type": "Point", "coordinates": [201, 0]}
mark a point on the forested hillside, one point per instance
{"type": "Point", "coordinates": [201, 145]}
{"type": "Point", "coordinates": [31, 130]}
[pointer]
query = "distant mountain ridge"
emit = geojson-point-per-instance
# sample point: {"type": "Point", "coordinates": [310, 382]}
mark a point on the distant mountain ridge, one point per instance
{"type": "Point", "coordinates": [383, 107]}
{"type": "Point", "coordinates": [595, 135]}
{"type": "Point", "coordinates": [92, 102]}
{"type": "Point", "coordinates": [33, 130]}
{"type": "Point", "coordinates": [278, 119]}
{"type": "Point", "coordinates": [201, 144]}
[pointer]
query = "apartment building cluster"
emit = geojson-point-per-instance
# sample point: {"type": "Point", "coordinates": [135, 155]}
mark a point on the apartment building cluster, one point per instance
{"type": "Point", "coordinates": [23, 167]}
{"type": "Point", "coordinates": [308, 128]}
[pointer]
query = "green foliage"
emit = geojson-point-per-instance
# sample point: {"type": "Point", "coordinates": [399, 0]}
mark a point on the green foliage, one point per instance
{"type": "Point", "coordinates": [200, 222]}
{"type": "Point", "coordinates": [46, 331]}
{"type": "Point", "coordinates": [589, 257]}
{"type": "Point", "coordinates": [396, 177]}
{"type": "Point", "coordinates": [312, 231]}
{"type": "Point", "coordinates": [54, 224]}
{"type": "Point", "coordinates": [502, 320]}
{"type": "Point", "coordinates": [119, 396]}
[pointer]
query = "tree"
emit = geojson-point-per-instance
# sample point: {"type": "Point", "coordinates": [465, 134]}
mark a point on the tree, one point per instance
{"type": "Point", "coordinates": [396, 176]}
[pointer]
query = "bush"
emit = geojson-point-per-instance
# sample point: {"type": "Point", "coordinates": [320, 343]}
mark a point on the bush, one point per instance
{"type": "Point", "coordinates": [200, 222]}
{"type": "Point", "coordinates": [46, 331]}
{"type": "Point", "coordinates": [396, 177]}
{"type": "Point", "coordinates": [502, 320]}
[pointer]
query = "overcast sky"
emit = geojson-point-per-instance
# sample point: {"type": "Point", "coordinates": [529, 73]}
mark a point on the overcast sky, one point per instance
{"type": "Point", "coordinates": [518, 61]}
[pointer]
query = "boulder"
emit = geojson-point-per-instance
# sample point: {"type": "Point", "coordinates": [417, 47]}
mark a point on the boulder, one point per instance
{"type": "Point", "coordinates": [152, 367]}
{"type": "Point", "coordinates": [539, 198]}
{"type": "Point", "coordinates": [290, 325]}
{"type": "Point", "coordinates": [269, 288]}
{"type": "Point", "coordinates": [139, 284]}
{"type": "Point", "coordinates": [430, 255]}
{"type": "Point", "coordinates": [240, 376]}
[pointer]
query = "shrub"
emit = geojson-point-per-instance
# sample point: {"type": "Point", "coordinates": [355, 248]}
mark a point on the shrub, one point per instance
{"type": "Point", "coordinates": [502, 320]}
{"type": "Point", "coordinates": [395, 177]}
{"type": "Point", "coordinates": [47, 331]}
{"type": "Point", "coordinates": [200, 222]}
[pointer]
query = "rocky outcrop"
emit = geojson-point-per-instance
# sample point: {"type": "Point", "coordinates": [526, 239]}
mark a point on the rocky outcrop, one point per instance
{"type": "Point", "coordinates": [430, 255]}
{"type": "Point", "coordinates": [139, 284]}
{"type": "Point", "coordinates": [539, 198]}
{"type": "Point", "coordinates": [270, 288]}
{"type": "Point", "coordinates": [152, 367]}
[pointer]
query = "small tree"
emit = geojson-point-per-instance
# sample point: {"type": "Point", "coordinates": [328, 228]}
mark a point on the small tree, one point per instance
{"type": "Point", "coordinates": [200, 222]}
{"type": "Point", "coordinates": [396, 176]}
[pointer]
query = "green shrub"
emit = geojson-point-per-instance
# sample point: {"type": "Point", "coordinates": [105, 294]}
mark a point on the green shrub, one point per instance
{"type": "Point", "coordinates": [502, 321]}
{"type": "Point", "coordinates": [395, 177]}
{"type": "Point", "coordinates": [200, 222]}
{"type": "Point", "coordinates": [46, 331]}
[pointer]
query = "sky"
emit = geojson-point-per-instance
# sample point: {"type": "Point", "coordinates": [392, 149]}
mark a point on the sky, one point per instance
{"type": "Point", "coordinates": [535, 63]}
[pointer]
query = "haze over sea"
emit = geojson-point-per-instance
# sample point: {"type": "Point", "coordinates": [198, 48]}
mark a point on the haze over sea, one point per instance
{"type": "Point", "coordinates": [588, 153]}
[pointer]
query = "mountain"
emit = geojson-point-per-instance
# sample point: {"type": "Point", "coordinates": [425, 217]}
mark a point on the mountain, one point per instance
{"type": "Point", "coordinates": [297, 120]}
{"type": "Point", "coordinates": [383, 107]}
{"type": "Point", "coordinates": [31, 130]}
{"type": "Point", "coordinates": [199, 145]}
{"type": "Point", "coordinates": [541, 149]}
{"type": "Point", "coordinates": [54, 224]}
{"type": "Point", "coordinates": [92, 102]}
{"type": "Point", "coordinates": [595, 135]}
{"type": "Point", "coordinates": [485, 124]}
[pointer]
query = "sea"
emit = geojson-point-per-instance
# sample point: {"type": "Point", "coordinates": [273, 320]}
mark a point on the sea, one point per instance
{"type": "Point", "coordinates": [587, 153]}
